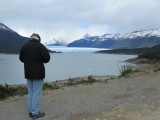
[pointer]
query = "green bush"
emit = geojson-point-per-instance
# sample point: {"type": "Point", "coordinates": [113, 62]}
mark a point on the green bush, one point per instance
{"type": "Point", "coordinates": [50, 86]}
{"type": "Point", "coordinates": [157, 68]}
{"type": "Point", "coordinates": [71, 82]}
{"type": "Point", "coordinates": [125, 70]}
{"type": "Point", "coordinates": [21, 90]}
{"type": "Point", "coordinates": [7, 91]}
{"type": "Point", "coordinates": [91, 79]}
{"type": "Point", "coordinates": [47, 86]}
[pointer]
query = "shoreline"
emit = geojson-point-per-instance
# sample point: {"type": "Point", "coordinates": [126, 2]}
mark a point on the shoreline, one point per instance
{"type": "Point", "coordinates": [131, 97]}
{"type": "Point", "coordinates": [21, 89]}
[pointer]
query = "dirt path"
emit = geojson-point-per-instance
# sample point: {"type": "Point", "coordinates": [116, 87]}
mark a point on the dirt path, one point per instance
{"type": "Point", "coordinates": [136, 97]}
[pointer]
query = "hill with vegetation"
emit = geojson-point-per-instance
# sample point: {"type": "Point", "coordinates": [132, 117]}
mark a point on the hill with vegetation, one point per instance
{"type": "Point", "coordinates": [149, 53]}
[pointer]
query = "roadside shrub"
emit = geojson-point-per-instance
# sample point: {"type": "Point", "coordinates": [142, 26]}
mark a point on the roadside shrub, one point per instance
{"type": "Point", "coordinates": [21, 90]}
{"type": "Point", "coordinates": [50, 86]}
{"type": "Point", "coordinates": [7, 91]}
{"type": "Point", "coordinates": [125, 70]}
{"type": "Point", "coordinates": [157, 68]}
{"type": "Point", "coordinates": [47, 86]}
{"type": "Point", "coordinates": [71, 82]}
{"type": "Point", "coordinates": [91, 79]}
{"type": "Point", "coordinates": [55, 85]}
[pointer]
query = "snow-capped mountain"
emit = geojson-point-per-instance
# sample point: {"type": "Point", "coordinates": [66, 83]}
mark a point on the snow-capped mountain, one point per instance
{"type": "Point", "coordinates": [136, 39]}
{"type": "Point", "coordinates": [142, 33]}
{"type": "Point", "coordinates": [4, 27]}
{"type": "Point", "coordinates": [56, 42]}
{"type": "Point", "coordinates": [86, 36]}
{"type": "Point", "coordinates": [110, 36]}
{"type": "Point", "coordinates": [132, 35]}
{"type": "Point", "coordinates": [10, 41]}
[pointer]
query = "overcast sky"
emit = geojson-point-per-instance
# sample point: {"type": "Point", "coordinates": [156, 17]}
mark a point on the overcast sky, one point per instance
{"type": "Point", "coordinates": [71, 19]}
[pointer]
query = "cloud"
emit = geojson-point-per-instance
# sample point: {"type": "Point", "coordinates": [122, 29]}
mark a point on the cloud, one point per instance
{"type": "Point", "coordinates": [71, 19]}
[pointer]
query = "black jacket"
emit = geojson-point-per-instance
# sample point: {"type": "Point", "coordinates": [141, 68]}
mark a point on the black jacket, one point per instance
{"type": "Point", "coordinates": [33, 54]}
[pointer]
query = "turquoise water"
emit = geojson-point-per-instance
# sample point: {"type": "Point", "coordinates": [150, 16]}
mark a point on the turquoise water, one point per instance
{"type": "Point", "coordinates": [63, 66]}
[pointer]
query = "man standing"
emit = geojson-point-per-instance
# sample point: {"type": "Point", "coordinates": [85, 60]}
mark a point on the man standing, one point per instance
{"type": "Point", "coordinates": [34, 54]}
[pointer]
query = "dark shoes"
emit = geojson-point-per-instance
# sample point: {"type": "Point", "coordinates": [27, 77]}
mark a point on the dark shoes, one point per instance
{"type": "Point", "coordinates": [40, 114]}
{"type": "Point", "coordinates": [30, 114]}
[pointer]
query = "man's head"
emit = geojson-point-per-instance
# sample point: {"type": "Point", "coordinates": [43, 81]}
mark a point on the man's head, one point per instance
{"type": "Point", "coordinates": [35, 36]}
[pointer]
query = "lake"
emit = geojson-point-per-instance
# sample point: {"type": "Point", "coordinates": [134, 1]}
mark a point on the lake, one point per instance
{"type": "Point", "coordinates": [73, 62]}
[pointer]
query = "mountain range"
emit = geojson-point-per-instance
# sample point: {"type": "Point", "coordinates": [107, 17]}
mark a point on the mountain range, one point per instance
{"type": "Point", "coordinates": [10, 41]}
{"type": "Point", "coordinates": [136, 39]}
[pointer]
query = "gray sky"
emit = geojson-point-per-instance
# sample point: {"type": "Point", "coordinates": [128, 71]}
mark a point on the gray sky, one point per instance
{"type": "Point", "coordinates": [71, 19]}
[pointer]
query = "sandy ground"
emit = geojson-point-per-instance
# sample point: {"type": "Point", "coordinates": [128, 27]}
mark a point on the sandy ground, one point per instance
{"type": "Point", "coordinates": [136, 97]}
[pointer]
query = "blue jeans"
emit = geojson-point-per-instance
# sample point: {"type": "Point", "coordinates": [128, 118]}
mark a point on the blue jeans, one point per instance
{"type": "Point", "coordinates": [34, 95]}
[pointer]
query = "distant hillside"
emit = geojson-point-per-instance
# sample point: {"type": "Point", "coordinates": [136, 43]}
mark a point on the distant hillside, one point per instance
{"type": "Point", "coordinates": [152, 53]}
{"type": "Point", "coordinates": [136, 39]}
{"type": "Point", "coordinates": [10, 41]}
